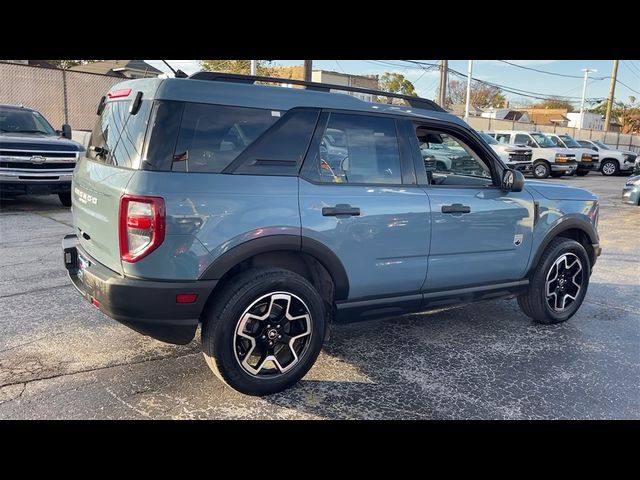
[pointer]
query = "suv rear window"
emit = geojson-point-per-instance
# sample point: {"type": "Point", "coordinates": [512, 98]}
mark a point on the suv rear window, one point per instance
{"type": "Point", "coordinates": [212, 136]}
{"type": "Point", "coordinates": [118, 137]}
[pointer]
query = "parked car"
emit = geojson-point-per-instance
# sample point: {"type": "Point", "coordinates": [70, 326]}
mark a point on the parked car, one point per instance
{"type": "Point", "coordinates": [636, 168]}
{"type": "Point", "coordinates": [548, 159]}
{"type": "Point", "coordinates": [514, 156]}
{"type": "Point", "coordinates": [631, 191]}
{"type": "Point", "coordinates": [35, 158]}
{"type": "Point", "coordinates": [612, 161]}
{"type": "Point", "coordinates": [588, 160]}
{"type": "Point", "coordinates": [177, 222]}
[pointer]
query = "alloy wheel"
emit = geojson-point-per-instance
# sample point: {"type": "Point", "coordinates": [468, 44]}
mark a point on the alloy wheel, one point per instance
{"type": "Point", "coordinates": [272, 334]}
{"type": "Point", "coordinates": [564, 282]}
{"type": "Point", "coordinates": [608, 168]}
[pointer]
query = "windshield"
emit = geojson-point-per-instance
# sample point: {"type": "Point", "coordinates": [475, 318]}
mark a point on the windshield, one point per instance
{"type": "Point", "coordinates": [543, 140]}
{"type": "Point", "coordinates": [489, 139]}
{"type": "Point", "coordinates": [17, 120]}
{"type": "Point", "coordinates": [569, 141]}
{"type": "Point", "coordinates": [601, 145]}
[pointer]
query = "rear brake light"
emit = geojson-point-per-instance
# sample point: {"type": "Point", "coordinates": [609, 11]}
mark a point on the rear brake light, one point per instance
{"type": "Point", "coordinates": [119, 93]}
{"type": "Point", "coordinates": [141, 226]}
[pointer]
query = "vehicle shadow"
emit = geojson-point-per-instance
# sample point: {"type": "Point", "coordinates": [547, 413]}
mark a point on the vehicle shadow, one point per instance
{"type": "Point", "coordinates": [30, 203]}
{"type": "Point", "coordinates": [479, 361]}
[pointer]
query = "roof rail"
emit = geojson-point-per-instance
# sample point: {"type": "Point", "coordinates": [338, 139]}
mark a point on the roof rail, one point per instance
{"type": "Point", "coordinates": [415, 102]}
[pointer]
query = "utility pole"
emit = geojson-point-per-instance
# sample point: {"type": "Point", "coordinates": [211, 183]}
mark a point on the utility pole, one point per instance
{"type": "Point", "coordinates": [308, 66]}
{"type": "Point", "coordinates": [468, 103]}
{"type": "Point", "coordinates": [442, 92]}
{"type": "Point", "coordinates": [586, 71]}
{"type": "Point", "coordinates": [254, 67]}
{"type": "Point", "coordinates": [612, 91]}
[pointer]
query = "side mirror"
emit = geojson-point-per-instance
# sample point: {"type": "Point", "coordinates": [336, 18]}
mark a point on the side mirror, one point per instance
{"type": "Point", "coordinates": [66, 131]}
{"type": "Point", "coordinates": [512, 181]}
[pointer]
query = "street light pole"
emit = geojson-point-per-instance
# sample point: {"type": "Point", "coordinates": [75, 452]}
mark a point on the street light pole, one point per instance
{"type": "Point", "coordinates": [586, 71]}
{"type": "Point", "coordinates": [468, 103]}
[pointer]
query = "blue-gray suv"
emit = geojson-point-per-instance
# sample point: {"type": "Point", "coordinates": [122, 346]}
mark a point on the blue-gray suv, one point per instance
{"type": "Point", "coordinates": [266, 213]}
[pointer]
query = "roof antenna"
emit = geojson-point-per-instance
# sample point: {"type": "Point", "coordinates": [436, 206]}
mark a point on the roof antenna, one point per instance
{"type": "Point", "coordinates": [177, 73]}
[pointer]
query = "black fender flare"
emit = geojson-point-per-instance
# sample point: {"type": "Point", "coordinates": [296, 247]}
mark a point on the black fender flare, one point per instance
{"type": "Point", "coordinates": [562, 226]}
{"type": "Point", "coordinates": [284, 242]}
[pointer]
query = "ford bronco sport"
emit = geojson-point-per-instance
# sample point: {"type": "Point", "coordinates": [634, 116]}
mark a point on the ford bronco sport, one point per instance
{"type": "Point", "coordinates": [35, 159]}
{"type": "Point", "coordinates": [213, 200]}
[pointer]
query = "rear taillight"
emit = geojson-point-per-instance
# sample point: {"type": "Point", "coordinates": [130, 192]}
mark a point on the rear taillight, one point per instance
{"type": "Point", "coordinates": [141, 226]}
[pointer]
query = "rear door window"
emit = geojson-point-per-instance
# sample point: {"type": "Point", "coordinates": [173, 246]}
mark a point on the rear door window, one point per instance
{"type": "Point", "coordinates": [212, 136]}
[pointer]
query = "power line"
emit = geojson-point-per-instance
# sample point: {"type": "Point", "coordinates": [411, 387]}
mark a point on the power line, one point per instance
{"type": "Point", "coordinates": [547, 72]}
{"type": "Point", "coordinates": [630, 70]}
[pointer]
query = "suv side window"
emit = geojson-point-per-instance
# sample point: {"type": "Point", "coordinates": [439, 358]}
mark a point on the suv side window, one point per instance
{"type": "Point", "coordinates": [448, 160]}
{"type": "Point", "coordinates": [358, 149]}
{"type": "Point", "coordinates": [212, 136]}
{"type": "Point", "coordinates": [523, 139]}
{"type": "Point", "coordinates": [503, 137]}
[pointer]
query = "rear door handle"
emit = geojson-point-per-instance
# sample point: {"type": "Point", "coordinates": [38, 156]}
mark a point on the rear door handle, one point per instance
{"type": "Point", "coordinates": [342, 209]}
{"type": "Point", "coordinates": [456, 208]}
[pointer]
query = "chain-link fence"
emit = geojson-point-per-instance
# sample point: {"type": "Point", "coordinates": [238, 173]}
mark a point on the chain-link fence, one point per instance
{"type": "Point", "coordinates": [62, 96]}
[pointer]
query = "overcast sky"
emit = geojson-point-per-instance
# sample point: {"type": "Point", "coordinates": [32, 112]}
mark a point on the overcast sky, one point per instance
{"type": "Point", "coordinates": [426, 81]}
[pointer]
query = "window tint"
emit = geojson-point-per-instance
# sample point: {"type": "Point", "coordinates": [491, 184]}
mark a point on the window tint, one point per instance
{"type": "Point", "coordinates": [522, 139]}
{"type": "Point", "coordinates": [359, 149]}
{"type": "Point", "coordinates": [212, 136]}
{"type": "Point", "coordinates": [448, 160]}
{"type": "Point", "coordinates": [118, 136]}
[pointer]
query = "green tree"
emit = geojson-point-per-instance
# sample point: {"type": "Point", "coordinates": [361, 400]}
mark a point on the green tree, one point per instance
{"type": "Point", "coordinates": [65, 64]}
{"type": "Point", "coordinates": [555, 102]}
{"type": "Point", "coordinates": [395, 83]}
{"type": "Point", "coordinates": [626, 113]}
{"type": "Point", "coordinates": [236, 66]}
{"type": "Point", "coordinates": [482, 95]}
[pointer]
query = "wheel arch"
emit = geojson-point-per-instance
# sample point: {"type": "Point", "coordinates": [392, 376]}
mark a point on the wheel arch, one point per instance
{"type": "Point", "coordinates": [574, 228]}
{"type": "Point", "coordinates": [302, 255]}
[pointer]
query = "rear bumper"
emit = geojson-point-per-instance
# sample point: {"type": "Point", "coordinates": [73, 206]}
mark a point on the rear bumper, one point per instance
{"type": "Point", "coordinates": [148, 307]}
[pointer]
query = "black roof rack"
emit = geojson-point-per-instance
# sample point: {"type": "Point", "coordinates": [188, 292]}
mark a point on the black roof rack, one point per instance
{"type": "Point", "coordinates": [415, 102]}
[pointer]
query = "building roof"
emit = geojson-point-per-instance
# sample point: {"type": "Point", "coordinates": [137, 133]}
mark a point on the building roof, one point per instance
{"type": "Point", "coordinates": [112, 67]}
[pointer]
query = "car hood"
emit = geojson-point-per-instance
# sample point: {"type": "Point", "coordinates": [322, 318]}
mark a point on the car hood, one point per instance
{"type": "Point", "coordinates": [33, 141]}
{"type": "Point", "coordinates": [559, 191]}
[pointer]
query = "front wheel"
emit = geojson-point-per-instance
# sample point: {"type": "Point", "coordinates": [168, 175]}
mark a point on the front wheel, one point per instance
{"type": "Point", "coordinates": [264, 331]}
{"type": "Point", "coordinates": [609, 168]}
{"type": "Point", "coordinates": [559, 283]}
{"type": "Point", "coordinates": [65, 198]}
{"type": "Point", "coordinates": [541, 170]}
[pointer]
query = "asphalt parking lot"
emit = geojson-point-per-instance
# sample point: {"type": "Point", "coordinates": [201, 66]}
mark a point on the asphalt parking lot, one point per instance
{"type": "Point", "coordinates": [62, 359]}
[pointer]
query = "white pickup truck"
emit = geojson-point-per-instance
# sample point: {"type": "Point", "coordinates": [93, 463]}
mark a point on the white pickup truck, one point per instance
{"type": "Point", "coordinates": [612, 161]}
{"type": "Point", "coordinates": [588, 159]}
{"type": "Point", "coordinates": [547, 158]}
{"type": "Point", "coordinates": [513, 156]}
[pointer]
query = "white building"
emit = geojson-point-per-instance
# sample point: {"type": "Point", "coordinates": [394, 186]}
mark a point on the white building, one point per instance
{"type": "Point", "coordinates": [506, 114]}
{"type": "Point", "coordinates": [590, 120]}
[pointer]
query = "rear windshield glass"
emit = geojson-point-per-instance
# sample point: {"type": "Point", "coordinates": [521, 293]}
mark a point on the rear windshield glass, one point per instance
{"type": "Point", "coordinates": [212, 136]}
{"type": "Point", "coordinates": [118, 137]}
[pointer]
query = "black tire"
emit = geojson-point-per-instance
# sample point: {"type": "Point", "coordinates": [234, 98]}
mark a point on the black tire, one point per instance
{"type": "Point", "coordinates": [609, 168]}
{"type": "Point", "coordinates": [582, 173]}
{"type": "Point", "coordinates": [534, 301]}
{"type": "Point", "coordinates": [65, 199]}
{"type": "Point", "coordinates": [541, 169]}
{"type": "Point", "coordinates": [220, 321]}
{"type": "Point", "coordinates": [556, 174]}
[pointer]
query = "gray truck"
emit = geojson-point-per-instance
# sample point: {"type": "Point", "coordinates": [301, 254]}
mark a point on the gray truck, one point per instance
{"type": "Point", "coordinates": [35, 158]}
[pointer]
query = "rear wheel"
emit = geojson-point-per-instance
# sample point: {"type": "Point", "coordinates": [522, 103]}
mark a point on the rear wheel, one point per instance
{"type": "Point", "coordinates": [65, 198]}
{"type": "Point", "coordinates": [559, 283]}
{"type": "Point", "coordinates": [264, 331]}
{"type": "Point", "coordinates": [541, 169]}
{"type": "Point", "coordinates": [582, 173]}
{"type": "Point", "coordinates": [609, 168]}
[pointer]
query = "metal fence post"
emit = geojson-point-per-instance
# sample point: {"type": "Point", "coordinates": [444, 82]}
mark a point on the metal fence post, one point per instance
{"type": "Point", "coordinates": [618, 140]}
{"type": "Point", "coordinates": [64, 96]}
